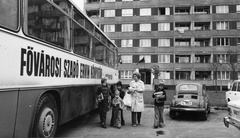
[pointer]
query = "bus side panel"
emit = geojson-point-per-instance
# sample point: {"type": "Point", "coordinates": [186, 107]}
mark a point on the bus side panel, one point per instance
{"type": "Point", "coordinates": [8, 108]}
{"type": "Point", "coordinates": [25, 113]}
{"type": "Point", "coordinates": [77, 101]}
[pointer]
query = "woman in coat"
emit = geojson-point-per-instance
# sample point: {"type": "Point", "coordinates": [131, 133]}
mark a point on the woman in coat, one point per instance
{"type": "Point", "coordinates": [137, 106]}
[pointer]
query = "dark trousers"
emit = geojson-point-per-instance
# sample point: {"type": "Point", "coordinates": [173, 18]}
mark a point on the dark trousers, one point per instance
{"type": "Point", "coordinates": [114, 114]}
{"type": "Point", "coordinates": [103, 108]}
{"type": "Point", "coordinates": [136, 117]}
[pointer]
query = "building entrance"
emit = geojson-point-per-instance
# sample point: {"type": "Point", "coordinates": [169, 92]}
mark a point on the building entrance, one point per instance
{"type": "Point", "coordinates": [145, 75]}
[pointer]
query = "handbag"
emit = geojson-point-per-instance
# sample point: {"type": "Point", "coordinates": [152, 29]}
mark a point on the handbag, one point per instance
{"type": "Point", "coordinates": [127, 100]}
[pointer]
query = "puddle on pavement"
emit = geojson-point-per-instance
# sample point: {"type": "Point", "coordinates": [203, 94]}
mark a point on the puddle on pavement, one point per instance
{"type": "Point", "coordinates": [160, 132]}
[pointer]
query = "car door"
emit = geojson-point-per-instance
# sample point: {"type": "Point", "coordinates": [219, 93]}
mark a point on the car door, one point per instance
{"type": "Point", "coordinates": [234, 92]}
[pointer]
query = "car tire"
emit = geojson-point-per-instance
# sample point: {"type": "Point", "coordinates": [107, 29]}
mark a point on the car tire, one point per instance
{"type": "Point", "coordinates": [204, 115]}
{"type": "Point", "coordinates": [46, 119]}
{"type": "Point", "coordinates": [173, 114]}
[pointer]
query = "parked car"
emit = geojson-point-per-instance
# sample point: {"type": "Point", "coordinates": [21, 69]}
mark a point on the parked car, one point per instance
{"type": "Point", "coordinates": [234, 114]}
{"type": "Point", "coordinates": [190, 97]}
{"type": "Point", "coordinates": [234, 92]}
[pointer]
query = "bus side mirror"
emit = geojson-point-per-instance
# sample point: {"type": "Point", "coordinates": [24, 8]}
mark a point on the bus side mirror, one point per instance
{"type": "Point", "coordinates": [229, 86]}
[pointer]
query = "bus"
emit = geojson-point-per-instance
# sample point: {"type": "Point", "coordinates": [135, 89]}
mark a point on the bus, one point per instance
{"type": "Point", "coordinates": [52, 60]}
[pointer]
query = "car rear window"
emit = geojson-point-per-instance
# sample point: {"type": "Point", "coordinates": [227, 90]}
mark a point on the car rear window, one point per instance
{"type": "Point", "coordinates": [188, 87]}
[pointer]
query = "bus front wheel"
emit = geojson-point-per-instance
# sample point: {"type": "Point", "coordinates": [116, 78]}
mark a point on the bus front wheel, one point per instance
{"type": "Point", "coordinates": [46, 119]}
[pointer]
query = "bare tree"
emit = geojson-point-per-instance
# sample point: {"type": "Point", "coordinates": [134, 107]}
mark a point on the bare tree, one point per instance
{"type": "Point", "coordinates": [215, 67]}
{"type": "Point", "coordinates": [233, 63]}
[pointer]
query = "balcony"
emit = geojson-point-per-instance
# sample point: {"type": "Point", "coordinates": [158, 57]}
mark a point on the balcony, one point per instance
{"type": "Point", "coordinates": [202, 10]}
{"type": "Point", "coordinates": [182, 10]}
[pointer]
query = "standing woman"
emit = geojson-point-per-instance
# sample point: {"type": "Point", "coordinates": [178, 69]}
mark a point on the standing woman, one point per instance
{"type": "Point", "coordinates": [136, 89]}
{"type": "Point", "coordinates": [103, 94]}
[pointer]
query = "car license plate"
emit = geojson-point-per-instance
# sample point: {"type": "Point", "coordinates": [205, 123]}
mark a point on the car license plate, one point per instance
{"type": "Point", "coordinates": [188, 103]}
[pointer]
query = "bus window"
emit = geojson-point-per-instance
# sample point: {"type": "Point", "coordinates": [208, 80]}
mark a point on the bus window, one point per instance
{"type": "Point", "coordinates": [63, 4]}
{"type": "Point", "coordinates": [89, 26]}
{"type": "Point", "coordinates": [110, 57]}
{"type": "Point", "coordinates": [46, 22]}
{"type": "Point", "coordinates": [9, 14]}
{"type": "Point", "coordinates": [78, 17]}
{"type": "Point", "coordinates": [81, 41]}
{"type": "Point", "coordinates": [99, 52]}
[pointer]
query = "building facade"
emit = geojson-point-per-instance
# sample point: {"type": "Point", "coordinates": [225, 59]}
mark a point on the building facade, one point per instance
{"type": "Point", "coordinates": [190, 40]}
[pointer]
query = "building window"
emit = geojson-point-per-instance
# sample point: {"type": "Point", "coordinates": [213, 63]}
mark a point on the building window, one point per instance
{"type": "Point", "coordinates": [182, 58]}
{"type": "Point", "coordinates": [92, 1]}
{"type": "Point", "coordinates": [203, 75]}
{"type": "Point", "coordinates": [146, 57]}
{"type": "Point", "coordinates": [202, 10]}
{"type": "Point", "coordinates": [222, 9]}
{"type": "Point", "coordinates": [182, 26]}
{"type": "Point", "coordinates": [164, 11]}
{"type": "Point", "coordinates": [145, 43]}
{"type": "Point", "coordinates": [145, 12]}
{"type": "Point", "coordinates": [223, 75]}
{"type": "Point", "coordinates": [127, 27]}
{"type": "Point", "coordinates": [163, 58]}
{"type": "Point", "coordinates": [109, 13]}
{"type": "Point", "coordinates": [109, 28]}
{"type": "Point", "coordinates": [145, 27]}
{"type": "Point", "coordinates": [127, 12]}
{"type": "Point", "coordinates": [126, 58]}
{"type": "Point", "coordinates": [238, 25]}
{"type": "Point", "coordinates": [223, 42]}
{"type": "Point", "coordinates": [202, 58]}
{"type": "Point", "coordinates": [238, 41]}
{"type": "Point", "coordinates": [182, 42]}
{"type": "Point", "coordinates": [182, 10]}
{"type": "Point", "coordinates": [164, 42]}
{"type": "Point", "coordinates": [222, 26]}
{"type": "Point", "coordinates": [202, 42]}
{"type": "Point", "coordinates": [126, 74]}
{"type": "Point", "coordinates": [163, 26]}
{"type": "Point", "coordinates": [202, 26]}
{"type": "Point", "coordinates": [238, 8]}
{"type": "Point", "coordinates": [127, 43]}
{"type": "Point", "coordinates": [222, 58]}
{"type": "Point", "coordinates": [127, 0]}
{"type": "Point", "coordinates": [183, 75]}
{"type": "Point", "coordinates": [164, 75]}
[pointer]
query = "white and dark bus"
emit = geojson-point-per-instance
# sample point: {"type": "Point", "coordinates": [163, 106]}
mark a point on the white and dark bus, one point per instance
{"type": "Point", "coordinates": [52, 58]}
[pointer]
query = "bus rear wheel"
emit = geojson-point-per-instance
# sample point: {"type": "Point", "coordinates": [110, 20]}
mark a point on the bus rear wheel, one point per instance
{"type": "Point", "coordinates": [46, 120]}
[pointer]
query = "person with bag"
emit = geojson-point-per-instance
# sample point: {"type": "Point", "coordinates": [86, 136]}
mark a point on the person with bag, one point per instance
{"type": "Point", "coordinates": [103, 94]}
{"type": "Point", "coordinates": [159, 97]}
{"type": "Point", "coordinates": [137, 103]}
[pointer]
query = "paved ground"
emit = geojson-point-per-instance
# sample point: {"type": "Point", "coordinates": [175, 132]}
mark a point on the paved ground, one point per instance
{"type": "Point", "coordinates": [186, 126]}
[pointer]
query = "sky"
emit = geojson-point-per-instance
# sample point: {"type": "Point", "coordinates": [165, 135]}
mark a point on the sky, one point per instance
{"type": "Point", "coordinates": [79, 3]}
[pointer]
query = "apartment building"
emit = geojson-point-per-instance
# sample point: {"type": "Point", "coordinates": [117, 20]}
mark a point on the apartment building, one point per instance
{"type": "Point", "coordinates": [185, 38]}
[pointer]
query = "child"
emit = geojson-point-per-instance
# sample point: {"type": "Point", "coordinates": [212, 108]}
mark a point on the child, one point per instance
{"type": "Point", "coordinates": [117, 106]}
{"type": "Point", "coordinates": [160, 97]}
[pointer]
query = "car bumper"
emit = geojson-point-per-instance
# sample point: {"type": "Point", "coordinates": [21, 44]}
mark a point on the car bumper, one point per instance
{"type": "Point", "coordinates": [232, 121]}
{"type": "Point", "coordinates": [187, 109]}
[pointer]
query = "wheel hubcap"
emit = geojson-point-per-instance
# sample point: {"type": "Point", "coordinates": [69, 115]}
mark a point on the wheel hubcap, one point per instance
{"type": "Point", "coordinates": [47, 122]}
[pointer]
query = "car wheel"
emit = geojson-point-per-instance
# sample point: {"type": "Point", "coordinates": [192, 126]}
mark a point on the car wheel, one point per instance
{"type": "Point", "coordinates": [46, 120]}
{"type": "Point", "coordinates": [172, 114]}
{"type": "Point", "coordinates": [204, 115]}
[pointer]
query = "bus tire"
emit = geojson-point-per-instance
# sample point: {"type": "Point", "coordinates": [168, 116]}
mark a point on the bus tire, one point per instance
{"type": "Point", "coordinates": [46, 119]}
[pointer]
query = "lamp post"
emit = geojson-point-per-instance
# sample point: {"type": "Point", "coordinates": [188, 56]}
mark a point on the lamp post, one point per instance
{"type": "Point", "coordinates": [220, 69]}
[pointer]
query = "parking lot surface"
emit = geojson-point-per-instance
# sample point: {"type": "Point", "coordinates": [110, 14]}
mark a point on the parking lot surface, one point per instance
{"type": "Point", "coordinates": [188, 125]}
